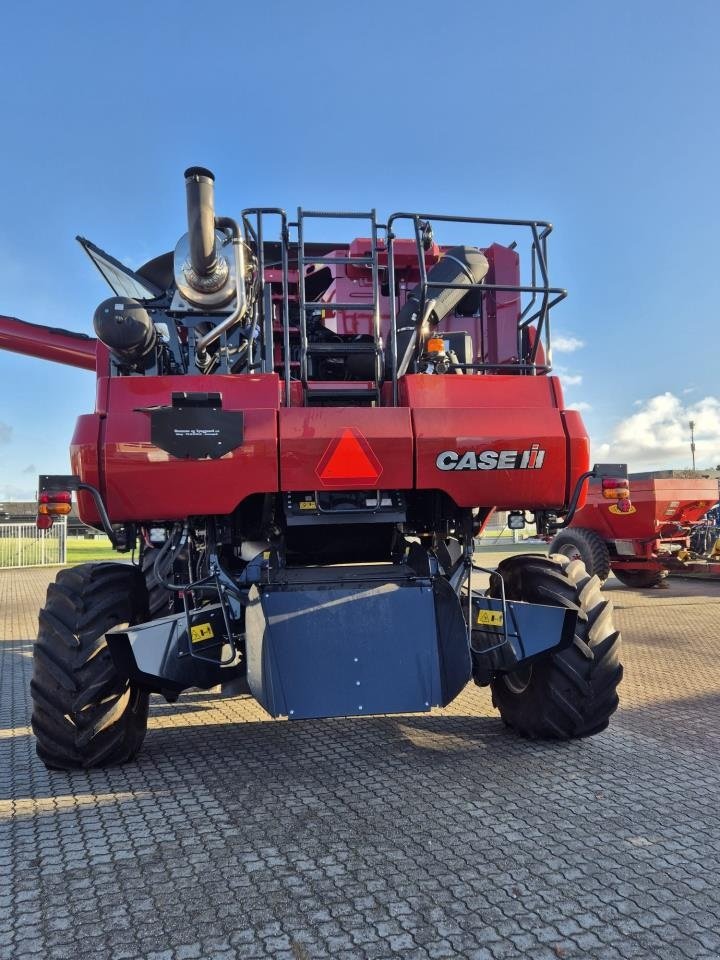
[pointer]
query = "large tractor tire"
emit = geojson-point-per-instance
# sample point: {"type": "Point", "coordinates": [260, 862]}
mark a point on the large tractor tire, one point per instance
{"type": "Point", "coordinates": [578, 543]}
{"type": "Point", "coordinates": [84, 714]}
{"type": "Point", "coordinates": [160, 599]}
{"type": "Point", "coordinates": [640, 578]}
{"type": "Point", "coordinates": [571, 693]}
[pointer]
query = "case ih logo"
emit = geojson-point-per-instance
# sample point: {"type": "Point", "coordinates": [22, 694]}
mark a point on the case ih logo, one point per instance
{"type": "Point", "coordinates": [531, 459]}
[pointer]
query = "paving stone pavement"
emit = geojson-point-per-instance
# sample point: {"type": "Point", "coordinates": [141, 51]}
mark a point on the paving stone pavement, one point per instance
{"type": "Point", "coordinates": [235, 836]}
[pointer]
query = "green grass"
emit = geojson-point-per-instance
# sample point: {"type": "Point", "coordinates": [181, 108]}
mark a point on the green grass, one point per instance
{"type": "Point", "coordinates": [87, 551]}
{"type": "Point", "coordinates": [27, 551]}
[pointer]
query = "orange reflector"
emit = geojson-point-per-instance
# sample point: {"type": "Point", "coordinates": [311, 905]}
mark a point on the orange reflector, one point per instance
{"type": "Point", "coordinates": [616, 489]}
{"type": "Point", "coordinates": [55, 504]}
{"type": "Point", "coordinates": [435, 345]}
{"type": "Point", "coordinates": [620, 493]}
{"type": "Point", "coordinates": [349, 462]}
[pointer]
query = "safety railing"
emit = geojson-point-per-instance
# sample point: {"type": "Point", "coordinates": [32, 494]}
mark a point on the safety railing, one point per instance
{"type": "Point", "coordinates": [23, 545]}
{"type": "Point", "coordinates": [537, 297]}
{"type": "Point", "coordinates": [536, 310]}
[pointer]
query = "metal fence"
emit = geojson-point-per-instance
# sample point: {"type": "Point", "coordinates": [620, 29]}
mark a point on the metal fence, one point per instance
{"type": "Point", "coordinates": [23, 545]}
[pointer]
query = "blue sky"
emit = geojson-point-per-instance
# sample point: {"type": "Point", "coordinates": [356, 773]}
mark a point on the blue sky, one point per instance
{"type": "Point", "coordinates": [600, 117]}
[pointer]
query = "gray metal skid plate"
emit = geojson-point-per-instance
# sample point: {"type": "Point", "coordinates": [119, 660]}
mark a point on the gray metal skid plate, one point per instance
{"type": "Point", "coordinates": [327, 650]}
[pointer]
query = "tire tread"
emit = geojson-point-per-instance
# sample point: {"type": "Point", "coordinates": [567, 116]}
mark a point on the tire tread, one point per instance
{"type": "Point", "coordinates": [84, 714]}
{"type": "Point", "coordinates": [572, 693]}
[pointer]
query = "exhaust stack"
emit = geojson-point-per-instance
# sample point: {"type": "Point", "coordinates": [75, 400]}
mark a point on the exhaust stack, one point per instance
{"type": "Point", "coordinates": [204, 276]}
{"type": "Point", "coordinates": [200, 190]}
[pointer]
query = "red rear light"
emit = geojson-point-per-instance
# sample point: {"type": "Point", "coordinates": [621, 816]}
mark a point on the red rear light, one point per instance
{"type": "Point", "coordinates": [616, 489]}
{"type": "Point", "coordinates": [44, 522]}
{"type": "Point", "coordinates": [54, 504]}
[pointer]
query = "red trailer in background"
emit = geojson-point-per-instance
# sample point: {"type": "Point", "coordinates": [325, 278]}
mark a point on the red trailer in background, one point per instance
{"type": "Point", "coordinates": [649, 537]}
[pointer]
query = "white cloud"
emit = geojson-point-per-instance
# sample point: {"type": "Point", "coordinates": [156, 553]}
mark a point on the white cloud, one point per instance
{"type": "Point", "coordinates": [658, 434]}
{"type": "Point", "coordinates": [688, 390]}
{"type": "Point", "coordinates": [581, 405]}
{"type": "Point", "coordinates": [567, 344]}
{"type": "Point", "coordinates": [569, 379]}
{"type": "Point", "coordinates": [11, 491]}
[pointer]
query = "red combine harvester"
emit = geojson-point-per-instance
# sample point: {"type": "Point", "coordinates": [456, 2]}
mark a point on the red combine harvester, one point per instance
{"type": "Point", "coordinates": [303, 438]}
{"type": "Point", "coordinates": [654, 534]}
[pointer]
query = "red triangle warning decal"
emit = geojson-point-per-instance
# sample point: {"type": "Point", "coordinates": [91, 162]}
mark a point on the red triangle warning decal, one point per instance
{"type": "Point", "coordinates": [349, 462]}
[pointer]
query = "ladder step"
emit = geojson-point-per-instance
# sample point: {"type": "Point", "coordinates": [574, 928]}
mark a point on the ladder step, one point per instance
{"type": "Point", "coordinates": [338, 307]}
{"type": "Point", "coordinates": [336, 349]}
{"type": "Point", "coordinates": [336, 214]}
{"type": "Point", "coordinates": [342, 386]}
{"type": "Point", "coordinates": [354, 393]}
{"type": "Point", "coordinates": [353, 261]}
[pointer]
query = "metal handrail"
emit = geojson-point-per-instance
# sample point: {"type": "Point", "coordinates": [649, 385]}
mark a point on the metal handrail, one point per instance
{"type": "Point", "coordinates": [542, 296]}
{"type": "Point", "coordinates": [540, 230]}
{"type": "Point", "coordinates": [302, 216]}
{"type": "Point", "coordinates": [257, 235]}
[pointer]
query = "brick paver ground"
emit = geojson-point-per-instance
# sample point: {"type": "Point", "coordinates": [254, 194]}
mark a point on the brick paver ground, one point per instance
{"type": "Point", "coordinates": [235, 836]}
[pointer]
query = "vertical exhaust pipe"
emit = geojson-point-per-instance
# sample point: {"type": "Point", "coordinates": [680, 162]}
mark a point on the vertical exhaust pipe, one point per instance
{"type": "Point", "coordinates": [200, 190]}
{"type": "Point", "coordinates": [203, 274]}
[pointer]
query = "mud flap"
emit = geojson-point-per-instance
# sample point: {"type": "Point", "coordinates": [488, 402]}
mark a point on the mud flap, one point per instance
{"type": "Point", "coordinates": [161, 657]}
{"type": "Point", "coordinates": [506, 634]}
{"type": "Point", "coordinates": [334, 642]}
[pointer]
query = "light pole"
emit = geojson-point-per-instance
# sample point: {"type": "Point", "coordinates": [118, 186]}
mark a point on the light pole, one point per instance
{"type": "Point", "coordinates": [692, 442]}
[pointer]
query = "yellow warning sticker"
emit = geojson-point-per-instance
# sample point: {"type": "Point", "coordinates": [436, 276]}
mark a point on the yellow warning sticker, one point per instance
{"type": "Point", "coordinates": [490, 618]}
{"type": "Point", "coordinates": [308, 505]}
{"type": "Point", "coordinates": [200, 632]}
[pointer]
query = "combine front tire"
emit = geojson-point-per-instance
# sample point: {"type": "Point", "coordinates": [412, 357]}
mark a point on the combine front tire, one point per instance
{"type": "Point", "coordinates": [571, 693]}
{"type": "Point", "coordinates": [577, 543]}
{"type": "Point", "coordinates": [84, 714]}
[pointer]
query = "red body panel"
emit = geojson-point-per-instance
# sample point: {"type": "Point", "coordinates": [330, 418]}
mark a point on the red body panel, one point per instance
{"type": "Point", "coordinates": [537, 450]}
{"type": "Point", "coordinates": [84, 462]}
{"type": "Point", "coordinates": [498, 413]}
{"type": "Point", "coordinates": [578, 448]}
{"type": "Point", "coordinates": [307, 435]}
{"type": "Point", "coordinates": [143, 482]}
